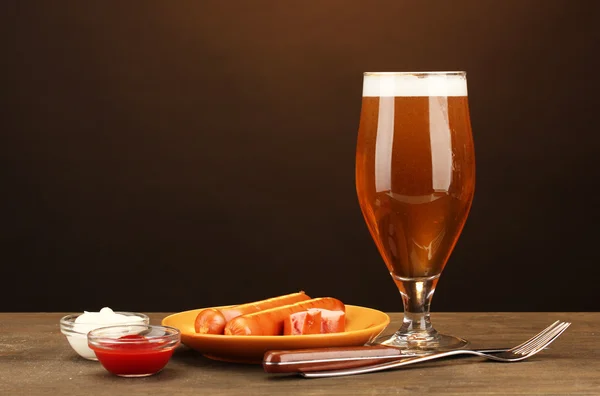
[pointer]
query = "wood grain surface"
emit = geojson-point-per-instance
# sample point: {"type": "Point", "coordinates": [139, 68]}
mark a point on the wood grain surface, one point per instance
{"type": "Point", "coordinates": [35, 359]}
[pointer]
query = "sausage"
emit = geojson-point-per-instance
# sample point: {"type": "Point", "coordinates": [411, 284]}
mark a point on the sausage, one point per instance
{"type": "Point", "coordinates": [270, 321]}
{"type": "Point", "coordinates": [210, 321]}
{"type": "Point", "coordinates": [333, 322]}
{"type": "Point", "coordinates": [301, 323]}
{"type": "Point", "coordinates": [315, 321]}
{"type": "Point", "coordinates": [213, 320]}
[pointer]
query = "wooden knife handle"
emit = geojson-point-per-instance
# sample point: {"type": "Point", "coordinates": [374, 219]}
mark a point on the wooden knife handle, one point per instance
{"type": "Point", "coordinates": [319, 359]}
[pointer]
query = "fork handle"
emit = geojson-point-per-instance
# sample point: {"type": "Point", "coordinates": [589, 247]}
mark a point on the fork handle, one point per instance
{"type": "Point", "coordinates": [388, 365]}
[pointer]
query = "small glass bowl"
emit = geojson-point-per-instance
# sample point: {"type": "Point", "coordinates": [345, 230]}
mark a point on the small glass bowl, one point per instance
{"type": "Point", "coordinates": [76, 333]}
{"type": "Point", "coordinates": [134, 350]}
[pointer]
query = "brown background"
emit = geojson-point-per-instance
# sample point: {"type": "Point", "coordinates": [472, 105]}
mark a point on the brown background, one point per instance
{"type": "Point", "coordinates": [170, 155]}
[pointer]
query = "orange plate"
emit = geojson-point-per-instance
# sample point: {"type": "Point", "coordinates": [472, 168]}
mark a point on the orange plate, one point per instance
{"type": "Point", "coordinates": [362, 325]}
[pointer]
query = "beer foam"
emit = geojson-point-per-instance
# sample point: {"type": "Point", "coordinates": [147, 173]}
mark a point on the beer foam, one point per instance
{"type": "Point", "coordinates": [417, 84]}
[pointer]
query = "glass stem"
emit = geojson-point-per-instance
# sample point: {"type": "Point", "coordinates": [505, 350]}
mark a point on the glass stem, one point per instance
{"type": "Point", "coordinates": [416, 296]}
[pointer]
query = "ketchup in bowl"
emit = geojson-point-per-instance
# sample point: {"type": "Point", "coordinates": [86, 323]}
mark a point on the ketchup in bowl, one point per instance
{"type": "Point", "coordinates": [134, 350]}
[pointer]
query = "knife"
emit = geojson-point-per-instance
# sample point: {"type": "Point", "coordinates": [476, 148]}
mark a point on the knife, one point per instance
{"type": "Point", "coordinates": [321, 359]}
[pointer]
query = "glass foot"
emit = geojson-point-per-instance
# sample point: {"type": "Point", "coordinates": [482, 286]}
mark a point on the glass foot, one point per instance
{"type": "Point", "coordinates": [419, 344]}
{"type": "Point", "coordinates": [135, 375]}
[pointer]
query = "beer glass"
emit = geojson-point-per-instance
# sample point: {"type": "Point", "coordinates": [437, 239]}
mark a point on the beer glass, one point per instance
{"type": "Point", "coordinates": [415, 180]}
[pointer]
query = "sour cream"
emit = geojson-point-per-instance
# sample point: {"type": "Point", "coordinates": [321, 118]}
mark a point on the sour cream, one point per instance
{"type": "Point", "coordinates": [89, 321]}
{"type": "Point", "coordinates": [77, 330]}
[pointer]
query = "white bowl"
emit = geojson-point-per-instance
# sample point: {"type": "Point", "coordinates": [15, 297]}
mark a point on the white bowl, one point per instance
{"type": "Point", "coordinates": [76, 333]}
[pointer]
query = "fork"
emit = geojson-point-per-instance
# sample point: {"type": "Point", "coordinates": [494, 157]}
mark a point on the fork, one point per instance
{"type": "Point", "coordinates": [520, 352]}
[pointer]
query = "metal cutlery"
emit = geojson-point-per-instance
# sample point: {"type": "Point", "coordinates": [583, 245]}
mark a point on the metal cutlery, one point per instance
{"type": "Point", "coordinates": [515, 354]}
{"type": "Point", "coordinates": [323, 362]}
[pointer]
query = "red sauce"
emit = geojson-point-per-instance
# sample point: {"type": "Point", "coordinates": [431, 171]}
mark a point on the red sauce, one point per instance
{"type": "Point", "coordinates": [135, 359]}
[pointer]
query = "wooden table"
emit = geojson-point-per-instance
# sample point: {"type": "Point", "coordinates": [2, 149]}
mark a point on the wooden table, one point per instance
{"type": "Point", "coordinates": [36, 359]}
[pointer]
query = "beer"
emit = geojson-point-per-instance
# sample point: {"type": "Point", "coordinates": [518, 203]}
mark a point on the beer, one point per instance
{"type": "Point", "coordinates": [415, 168]}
